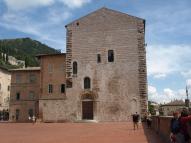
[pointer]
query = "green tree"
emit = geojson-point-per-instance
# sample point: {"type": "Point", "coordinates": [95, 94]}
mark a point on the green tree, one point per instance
{"type": "Point", "coordinates": [4, 57]}
{"type": "Point", "coordinates": [7, 58]}
{"type": "Point", "coordinates": [151, 108]}
{"type": "Point", "coordinates": [21, 48]}
{"type": "Point", "coordinates": [26, 62]}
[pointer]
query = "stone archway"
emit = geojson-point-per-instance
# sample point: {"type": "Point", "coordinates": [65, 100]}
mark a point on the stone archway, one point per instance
{"type": "Point", "coordinates": [87, 110]}
{"type": "Point", "coordinates": [88, 105]}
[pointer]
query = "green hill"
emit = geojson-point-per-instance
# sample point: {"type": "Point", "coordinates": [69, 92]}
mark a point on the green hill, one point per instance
{"type": "Point", "coordinates": [24, 49]}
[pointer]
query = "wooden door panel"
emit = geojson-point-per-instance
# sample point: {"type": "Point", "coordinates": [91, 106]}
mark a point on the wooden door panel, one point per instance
{"type": "Point", "coordinates": [87, 110]}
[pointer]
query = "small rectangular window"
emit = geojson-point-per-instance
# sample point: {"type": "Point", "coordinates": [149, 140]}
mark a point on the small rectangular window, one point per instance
{"type": "Point", "coordinates": [110, 56]}
{"type": "Point", "coordinates": [31, 95]}
{"type": "Point", "coordinates": [17, 96]}
{"type": "Point", "coordinates": [50, 68]}
{"type": "Point", "coordinates": [98, 58]}
{"type": "Point", "coordinates": [30, 112]}
{"type": "Point", "coordinates": [62, 68]}
{"type": "Point", "coordinates": [18, 78]}
{"type": "Point", "coordinates": [8, 88]}
{"type": "Point", "coordinates": [50, 88]}
{"type": "Point", "coordinates": [62, 88]}
{"type": "Point", "coordinates": [17, 114]}
{"type": "Point", "coordinates": [32, 78]}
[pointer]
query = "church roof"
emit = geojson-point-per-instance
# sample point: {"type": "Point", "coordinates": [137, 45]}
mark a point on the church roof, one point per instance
{"type": "Point", "coordinates": [104, 9]}
{"type": "Point", "coordinates": [27, 69]}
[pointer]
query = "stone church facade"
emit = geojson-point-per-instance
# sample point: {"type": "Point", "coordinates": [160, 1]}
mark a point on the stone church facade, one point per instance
{"type": "Point", "coordinates": [105, 69]}
{"type": "Point", "coordinates": [105, 74]}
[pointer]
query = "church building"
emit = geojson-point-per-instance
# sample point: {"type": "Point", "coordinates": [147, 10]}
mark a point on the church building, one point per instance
{"type": "Point", "coordinates": [102, 76]}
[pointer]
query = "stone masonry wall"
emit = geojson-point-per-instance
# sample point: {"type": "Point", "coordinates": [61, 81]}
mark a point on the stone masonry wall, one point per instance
{"type": "Point", "coordinates": [52, 106]}
{"type": "Point", "coordinates": [120, 86]}
{"type": "Point", "coordinates": [24, 87]}
{"type": "Point", "coordinates": [5, 81]}
{"type": "Point", "coordinates": [142, 67]}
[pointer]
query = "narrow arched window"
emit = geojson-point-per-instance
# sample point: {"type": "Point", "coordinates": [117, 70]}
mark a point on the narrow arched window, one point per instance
{"type": "Point", "coordinates": [110, 56]}
{"type": "Point", "coordinates": [87, 83]}
{"type": "Point", "coordinates": [98, 58]}
{"type": "Point", "coordinates": [75, 67]}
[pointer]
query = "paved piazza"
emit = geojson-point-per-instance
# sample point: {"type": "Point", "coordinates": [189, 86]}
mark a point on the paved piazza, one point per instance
{"type": "Point", "coordinates": [75, 133]}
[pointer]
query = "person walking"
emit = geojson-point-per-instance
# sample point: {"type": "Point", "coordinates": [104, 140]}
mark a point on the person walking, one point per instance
{"type": "Point", "coordinates": [33, 119]}
{"type": "Point", "coordinates": [135, 120]}
{"type": "Point", "coordinates": [184, 120]}
{"type": "Point", "coordinates": [175, 126]}
{"type": "Point", "coordinates": [179, 130]}
{"type": "Point", "coordinates": [149, 120]}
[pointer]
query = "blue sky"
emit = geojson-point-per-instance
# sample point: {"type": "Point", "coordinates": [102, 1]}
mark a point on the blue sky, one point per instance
{"type": "Point", "coordinates": [168, 34]}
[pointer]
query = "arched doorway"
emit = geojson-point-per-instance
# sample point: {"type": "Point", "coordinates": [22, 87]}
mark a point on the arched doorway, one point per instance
{"type": "Point", "coordinates": [87, 110]}
{"type": "Point", "coordinates": [87, 107]}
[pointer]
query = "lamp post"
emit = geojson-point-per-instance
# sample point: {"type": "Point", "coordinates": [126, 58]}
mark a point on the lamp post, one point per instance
{"type": "Point", "coordinates": [187, 101]}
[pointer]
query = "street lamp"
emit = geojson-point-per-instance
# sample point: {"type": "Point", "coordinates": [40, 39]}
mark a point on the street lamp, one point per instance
{"type": "Point", "coordinates": [187, 101]}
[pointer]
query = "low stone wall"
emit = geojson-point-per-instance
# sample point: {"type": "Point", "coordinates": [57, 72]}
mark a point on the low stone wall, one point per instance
{"type": "Point", "coordinates": [161, 124]}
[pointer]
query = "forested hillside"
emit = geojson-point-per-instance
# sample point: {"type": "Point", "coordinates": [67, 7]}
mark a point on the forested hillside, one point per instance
{"type": "Point", "coordinates": [22, 49]}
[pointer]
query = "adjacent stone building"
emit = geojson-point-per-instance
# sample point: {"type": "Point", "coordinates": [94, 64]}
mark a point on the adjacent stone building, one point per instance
{"type": "Point", "coordinates": [5, 81]}
{"type": "Point", "coordinates": [13, 61]}
{"type": "Point", "coordinates": [169, 108]}
{"type": "Point", "coordinates": [25, 91]}
{"type": "Point", "coordinates": [52, 86]}
{"type": "Point", "coordinates": [101, 77]}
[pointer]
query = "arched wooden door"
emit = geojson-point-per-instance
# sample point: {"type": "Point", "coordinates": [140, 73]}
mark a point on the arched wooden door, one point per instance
{"type": "Point", "coordinates": [87, 110]}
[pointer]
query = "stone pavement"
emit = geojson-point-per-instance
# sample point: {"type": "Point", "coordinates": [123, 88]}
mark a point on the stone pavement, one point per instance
{"type": "Point", "coordinates": [75, 133]}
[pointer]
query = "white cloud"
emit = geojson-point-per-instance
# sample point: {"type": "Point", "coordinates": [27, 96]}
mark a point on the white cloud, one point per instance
{"type": "Point", "coordinates": [152, 90]}
{"type": "Point", "coordinates": [21, 23]}
{"type": "Point", "coordinates": [168, 92]}
{"type": "Point", "coordinates": [152, 93]}
{"type": "Point", "coordinates": [186, 74]}
{"type": "Point", "coordinates": [188, 83]}
{"type": "Point", "coordinates": [47, 26]}
{"type": "Point", "coordinates": [44, 30]}
{"type": "Point", "coordinates": [167, 20]}
{"type": "Point", "coordinates": [166, 96]}
{"type": "Point", "coordinates": [56, 16]}
{"type": "Point", "coordinates": [163, 59]}
{"type": "Point", "coordinates": [160, 75]}
{"type": "Point", "coordinates": [25, 4]}
{"type": "Point", "coordinates": [75, 3]}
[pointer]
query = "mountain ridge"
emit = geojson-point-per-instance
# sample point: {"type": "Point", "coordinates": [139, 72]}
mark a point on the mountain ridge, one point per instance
{"type": "Point", "coordinates": [24, 49]}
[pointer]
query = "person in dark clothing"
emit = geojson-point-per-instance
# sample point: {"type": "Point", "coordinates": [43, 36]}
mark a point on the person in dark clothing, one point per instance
{"type": "Point", "coordinates": [176, 136]}
{"type": "Point", "coordinates": [135, 120]}
{"type": "Point", "coordinates": [179, 132]}
{"type": "Point", "coordinates": [149, 120]}
{"type": "Point", "coordinates": [184, 119]}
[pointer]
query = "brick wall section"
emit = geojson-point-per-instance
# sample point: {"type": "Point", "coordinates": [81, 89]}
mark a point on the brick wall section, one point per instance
{"type": "Point", "coordinates": [161, 125]}
{"type": "Point", "coordinates": [24, 87]}
{"type": "Point", "coordinates": [52, 104]}
{"type": "Point", "coordinates": [69, 54]}
{"type": "Point", "coordinates": [56, 77]}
